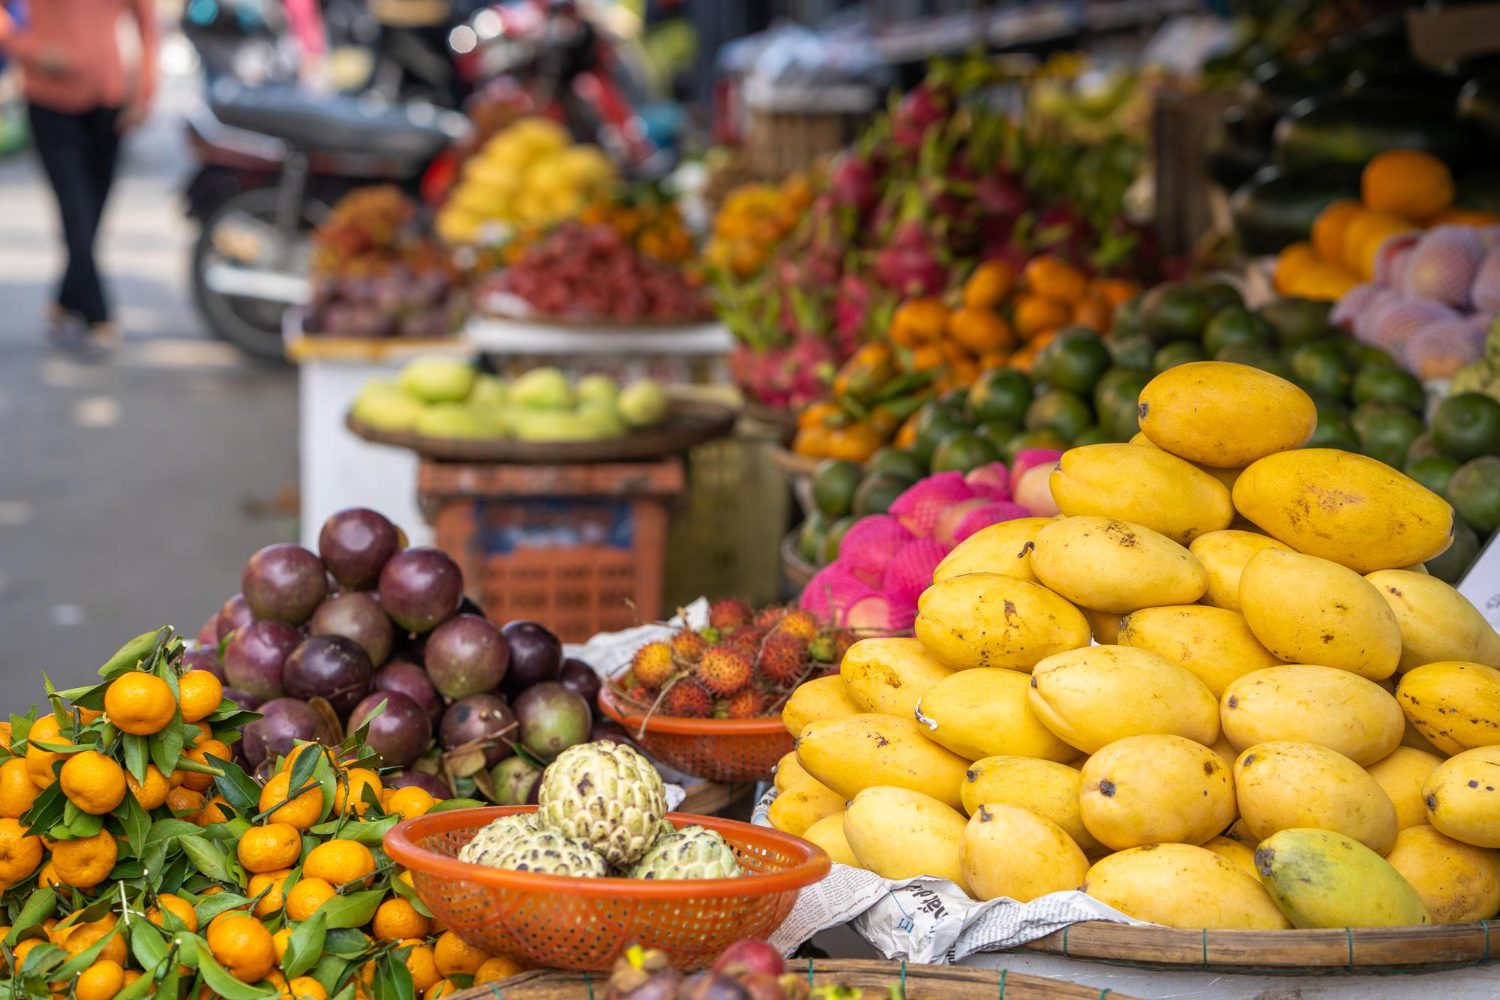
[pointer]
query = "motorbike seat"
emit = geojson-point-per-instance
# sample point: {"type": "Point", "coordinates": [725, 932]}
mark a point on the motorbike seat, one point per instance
{"type": "Point", "coordinates": [336, 123]}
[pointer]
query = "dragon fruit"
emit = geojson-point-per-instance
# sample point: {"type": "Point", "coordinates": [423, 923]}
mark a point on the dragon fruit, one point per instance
{"type": "Point", "coordinates": [920, 506]}
{"type": "Point", "coordinates": [868, 546]}
{"type": "Point", "coordinates": [1443, 264]}
{"type": "Point", "coordinates": [831, 591]}
{"type": "Point", "coordinates": [854, 183]}
{"type": "Point", "coordinates": [1439, 349]}
{"type": "Point", "coordinates": [923, 108]}
{"type": "Point", "coordinates": [909, 571]}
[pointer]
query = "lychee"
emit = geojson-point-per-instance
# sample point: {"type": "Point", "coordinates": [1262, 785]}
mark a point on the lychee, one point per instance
{"type": "Point", "coordinates": [728, 613]}
{"type": "Point", "coordinates": [652, 664]}
{"type": "Point", "coordinates": [910, 570]}
{"type": "Point", "coordinates": [748, 704]}
{"type": "Point", "coordinates": [688, 700]}
{"type": "Point", "coordinates": [918, 508]}
{"type": "Point", "coordinates": [783, 660]}
{"type": "Point", "coordinates": [1443, 264]}
{"type": "Point", "coordinates": [724, 670]}
{"type": "Point", "coordinates": [688, 646]}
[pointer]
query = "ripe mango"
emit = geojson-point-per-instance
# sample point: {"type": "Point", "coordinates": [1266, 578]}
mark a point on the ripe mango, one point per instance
{"type": "Point", "coordinates": [1213, 644]}
{"type": "Point", "coordinates": [1458, 883]}
{"type": "Point", "coordinates": [1455, 705]}
{"type": "Point", "coordinates": [1225, 476]}
{"type": "Point", "coordinates": [789, 772]}
{"type": "Point", "coordinates": [1155, 789]}
{"type": "Point", "coordinates": [1310, 610]}
{"type": "Point", "coordinates": [1143, 486]}
{"type": "Point", "coordinates": [1180, 885]}
{"type": "Point", "coordinates": [1015, 854]}
{"type": "Point", "coordinates": [1105, 625]}
{"type": "Point", "coordinates": [1223, 555]}
{"type": "Point", "coordinates": [985, 711]}
{"type": "Point", "coordinates": [1436, 622]}
{"type": "Point", "coordinates": [1225, 415]}
{"type": "Point", "coordinates": [1286, 786]}
{"type": "Point", "coordinates": [828, 833]}
{"type": "Point", "coordinates": [1402, 774]}
{"type": "Point", "coordinates": [890, 675]}
{"type": "Point", "coordinates": [802, 805]}
{"type": "Point", "coordinates": [1044, 787]}
{"type": "Point", "coordinates": [1003, 548]}
{"type": "Point", "coordinates": [990, 620]}
{"type": "Point", "coordinates": [1115, 566]}
{"type": "Point", "coordinates": [820, 698]}
{"type": "Point", "coordinates": [1308, 704]}
{"type": "Point", "coordinates": [1094, 696]}
{"type": "Point", "coordinates": [858, 751]}
{"type": "Point", "coordinates": [898, 833]}
{"type": "Point", "coordinates": [1462, 795]}
{"type": "Point", "coordinates": [1242, 856]}
{"type": "Point", "coordinates": [1354, 510]}
{"type": "Point", "coordinates": [1322, 878]}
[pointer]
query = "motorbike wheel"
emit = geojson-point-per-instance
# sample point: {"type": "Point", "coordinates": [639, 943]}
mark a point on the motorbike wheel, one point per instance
{"type": "Point", "coordinates": [252, 324]}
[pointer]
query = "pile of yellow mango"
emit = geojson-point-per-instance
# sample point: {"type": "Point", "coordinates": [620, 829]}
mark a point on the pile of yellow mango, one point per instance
{"type": "Point", "coordinates": [1218, 690]}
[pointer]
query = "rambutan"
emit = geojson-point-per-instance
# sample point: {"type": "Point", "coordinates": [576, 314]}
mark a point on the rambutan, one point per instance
{"type": "Point", "coordinates": [688, 646]}
{"type": "Point", "coordinates": [783, 660]}
{"type": "Point", "coordinates": [688, 700]}
{"type": "Point", "coordinates": [724, 671]}
{"type": "Point", "coordinates": [728, 613]}
{"type": "Point", "coordinates": [799, 623]}
{"type": "Point", "coordinates": [767, 618]}
{"type": "Point", "coordinates": [652, 664]}
{"type": "Point", "coordinates": [748, 704]}
{"type": "Point", "coordinates": [747, 639]}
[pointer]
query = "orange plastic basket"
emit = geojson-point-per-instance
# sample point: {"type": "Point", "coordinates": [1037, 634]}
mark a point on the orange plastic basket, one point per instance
{"type": "Point", "coordinates": [584, 924]}
{"type": "Point", "coordinates": [727, 750]}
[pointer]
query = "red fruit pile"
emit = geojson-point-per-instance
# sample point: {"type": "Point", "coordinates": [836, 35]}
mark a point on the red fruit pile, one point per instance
{"type": "Point", "coordinates": [741, 666]}
{"type": "Point", "coordinates": [592, 272]}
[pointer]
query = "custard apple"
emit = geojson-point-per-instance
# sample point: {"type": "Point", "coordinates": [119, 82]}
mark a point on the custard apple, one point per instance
{"type": "Point", "coordinates": [492, 840]}
{"type": "Point", "coordinates": [550, 853]}
{"type": "Point", "coordinates": [691, 852]}
{"type": "Point", "coordinates": [606, 795]}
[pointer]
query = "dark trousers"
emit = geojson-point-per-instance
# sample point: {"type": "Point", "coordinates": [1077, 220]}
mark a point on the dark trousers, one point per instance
{"type": "Point", "coordinates": [78, 153]}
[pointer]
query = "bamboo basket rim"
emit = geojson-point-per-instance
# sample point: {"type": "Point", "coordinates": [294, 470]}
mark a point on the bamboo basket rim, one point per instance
{"type": "Point", "coordinates": [1355, 950]}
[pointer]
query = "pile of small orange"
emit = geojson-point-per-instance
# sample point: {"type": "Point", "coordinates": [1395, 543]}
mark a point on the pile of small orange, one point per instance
{"type": "Point", "coordinates": [137, 860]}
{"type": "Point", "coordinates": [753, 222]}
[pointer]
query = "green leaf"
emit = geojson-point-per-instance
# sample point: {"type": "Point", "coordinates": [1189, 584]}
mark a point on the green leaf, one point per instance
{"type": "Point", "coordinates": [207, 857]}
{"type": "Point", "coordinates": [220, 902]}
{"type": "Point", "coordinates": [449, 804]}
{"type": "Point", "coordinates": [148, 946]}
{"type": "Point", "coordinates": [136, 822]}
{"type": "Point", "coordinates": [166, 746]}
{"type": "Point", "coordinates": [130, 655]}
{"type": "Point", "coordinates": [43, 959]}
{"type": "Point", "coordinates": [370, 834]}
{"type": "Point", "coordinates": [137, 755]}
{"type": "Point", "coordinates": [143, 987]}
{"type": "Point", "coordinates": [237, 787]}
{"type": "Point", "coordinates": [47, 810]}
{"type": "Point", "coordinates": [305, 946]}
{"type": "Point", "coordinates": [186, 763]}
{"type": "Point", "coordinates": [406, 892]}
{"type": "Point", "coordinates": [353, 910]}
{"type": "Point", "coordinates": [222, 983]}
{"type": "Point", "coordinates": [38, 908]}
{"type": "Point", "coordinates": [302, 770]}
{"type": "Point", "coordinates": [392, 980]}
{"type": "Point", "coordinates": [84, 825]}
{"type": "Point", "coordinates": [62, 748]}
{"type": "Point", "coordinates": [345, 943]}
{"type": "Point", "coordinates": [85, 958]}
{"type": "Point", "coordinates": [164, 830]}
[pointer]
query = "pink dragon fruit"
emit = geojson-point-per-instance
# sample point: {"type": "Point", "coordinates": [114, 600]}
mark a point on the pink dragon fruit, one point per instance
{"type": "Point", "coordinates": [869, 545]}
{"type": "Point", "coordinates": [1402, 321]}
{"type": "Point", "coordinates": [1485, 292]}
{"type": "Point", "coordinates": [919, 507]}
{"type": "Point", "coordinates": [878, 614]}
{"type": "Point", "coordinates": [992, 481]}
{"type": "Point", "coordinates": [1443, 265]}
{"type": "Point", "coordinates": [910, 570]}
{"type": "Point", "coordinates": [1391, 258]}
{"type": "Point", "coordinates": [831, 591]}
{"type": "Point", "coordinates": [1439, 349]}
{"type": "Point", "coordinates": [853, 182]}
{"type": "Point", "coordinates": [923, 107]}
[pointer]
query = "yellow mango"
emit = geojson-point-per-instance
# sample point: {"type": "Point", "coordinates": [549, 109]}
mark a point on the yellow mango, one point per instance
{"type": "Point", "coordinates": [1015, 854]}
{"type": "Point", "coordinates": [1155, 789]}
{"type": "Point", "coordinates": [802, 805]}
{"type": "Point", "coordinates": [1094, 696]}
{"type": "Point", "coordinates": [1213, 644]}
{"type": "Point", "coordinates": [1223, 555]}
{"type": "Point", "coordinates": [985, 711]}
{"type": "Point", "coordinates": [1105, 626]}
{"type": "Point", "coordinates": [1458, 883]}
{"type": "Point", "coordinates": [820, 698]}
{"type": "Point", "coordinates": [1226, 751]}
{"type": "Point", "coordinates": [1354, 510]}
{"type": "Point", "coordinates": [1285, 786]}
{"type": "Point", "coordinates": [1225, 415]}
{"type": "Point", "coordinates": [1437, 622]}
{"type": "Point", "coordinates": [1455, 705]}
{"type": "Point", "coordinates": [1115, 566]}
{"type": "Point", "coordinates": [1309, 704]}
{"type": "Point", "coordinates": [1310, 610]}
{"type": "Point", "coordinates": [1402, 775]}
{"type": "Point", "coordinates": [1003, 548]}
{"type": "Point", "coordinates": [789, 772]}
{"type": "Point", "coordinates": [1044, 787]}
{"type": "Point", "coordinates": [898, 833]}
{"type": "Point", "coordinates": [890, 675]}
{"type": "Point", "coordinates": [990, 620]}
{"type": "Point", "coordinates": [828, 833]}
{"type": "Point", "coordinates": [1179, 885]}
{"type": "Point", "coordinates": [1225, 476]}
{"type": "Point", "coordinates": [1143, 486]}
{"type": "Point", "coordinates": [1413, 738]}
{"type": "Point", "coordinates": [858, 751]}
{"type": "Point", "coordinates": [1462, 795]}
{"type": "Point", "coordinates": [1242, 856]}
{"type": "Point", "coordinates": [1323, 878]}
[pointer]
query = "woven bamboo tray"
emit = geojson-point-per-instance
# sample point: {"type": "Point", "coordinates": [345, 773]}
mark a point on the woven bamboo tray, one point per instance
{"type": "Point", "coordinates": [922, 982]}
{"type": "Point", "coordinates": [1370, 950]}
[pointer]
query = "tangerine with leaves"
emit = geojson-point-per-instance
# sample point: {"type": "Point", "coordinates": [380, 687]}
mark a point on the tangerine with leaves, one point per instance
{"type": "Point", "coordinates": [166, 902]}
{"type": "Point", "coordinates": [20, 851]}
{"type": "Point", "coordinates": [350, 795]}
{"type": "Point", "coordinates": [269, 848]}
{"type": "Point", "coordinates": [93, 782]}
{"type": "Point", "coordinates": [268, 886]}
{"type": "Point", "coordinates": [422, 965]}
{"type": "Point", "coordinates": [100, 981]}
{"type": "Point", "coordinates": [84, 862]}
{"type": "Point", "coordinates": [17, 791]}
{"type": "Point", "coordinates": [184, 802]}
{"type": "Point", "coordinates": [410, 802]}
{"type": "Point", "coordinates": [243, 946]}
{"type": "Point", "coordinates": [199, 754]}
{"type": "Point", "coordinates": [39, 760]}
{"type": "Point", "coordinates": [301, 812]}
{"type": "Point", "coordinates": [139, 703]}
{"type": "Point", "coordinates": [455, 956]}
{"type": "Point", "coordinates": [397, 920]}
{"type": "Point", "coordinates": [152, 792]}
{"type": "Point", "coordinates": [199, 693]}
{"type": "Point", "coordinates": [304, 898]}
{"type": "Point", "coordinates": [339, 862]}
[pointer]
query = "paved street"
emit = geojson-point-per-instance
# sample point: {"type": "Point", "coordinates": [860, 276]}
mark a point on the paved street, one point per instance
{"type": "Point", "coordinates": [130, 492]}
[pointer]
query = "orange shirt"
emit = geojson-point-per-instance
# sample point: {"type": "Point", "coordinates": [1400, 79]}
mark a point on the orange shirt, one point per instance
{"type": "Point", "coordinates": [70, 56]}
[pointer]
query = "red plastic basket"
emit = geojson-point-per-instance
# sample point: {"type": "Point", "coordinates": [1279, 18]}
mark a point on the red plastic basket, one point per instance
{"type": "Point", "coordinates": [565, 922]}
{"type": "Point", "coordinates": [727, 750]}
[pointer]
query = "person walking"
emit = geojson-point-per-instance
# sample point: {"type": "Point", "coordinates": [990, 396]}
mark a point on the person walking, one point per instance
{"type": "Point", "coordinates": [79, 103]}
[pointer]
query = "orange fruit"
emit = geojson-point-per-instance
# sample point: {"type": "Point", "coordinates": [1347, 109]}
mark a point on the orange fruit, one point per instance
{"type": "Point", "coordinates": [304, 988]}
{"type": "Point", "coordinates": [1465, 217]}
{"type": "Point", "coordinates": [153, 791]}
{"type": "Point", "coordinates": [199, 754]}
{"type": "Point", "coordinates": [979, 330]}
{"type": "Point", "coordinates": [339, 862]}
{"type": "Point", "coordinates": [1408, 183]}
{"type": "Point", "coordinates": [243, 946]}
{"type": "Point", "coordinates": [410, 802]}
{"type": "Point", "coordinates": [23, 949]}
{"type": "Point", "coordinates": [301, 812]}
{"type": "Point", "coordinates": [1115, 291]}
{"type": "Point", "coordinates": [351, 791]}
{"type": "Point", "coordinates": [199, 693]}
{"type": "Point", "coordinates": [455, 956]}
{"type": "Point", "coordinates": [269, 883]}
{"type": "Point", "coordinates": [492, 970]}
{"type": "Point", "coordinates": [397, 920]}
{"type": "Point", "coordinates": [926, 358]}
{"type": "Point", "coordinates": [1054, 278]}
{"type": "Point", "coordinates": [20, 852]}
{"type": "Point", "coordinates": [422, 966]}
{"type": "Point", "coordinates": [993, 359]}
{"type": "Point", "coordinates": [918, 321]}
{"type": "Point", "coordinates": [177, 907]}
{"type": "Point", "coordinates": [269, 848]}
{"type": "Point", "coordinates": [139, 703]}
{"type": "Point", "coordinates": [17, 792]}
{"type": "Point", "coordinates": [304, 898]}
{"type": "Point", "coordinates": [1034, 314]}
{"type": "Point", "coordinates": [204, 732]}
{"type": "Point", "coordinates": [100, 981]}
{"type": "Point", "coordinates": [84, 936]}
{"type": "Point", "coordinates": [1291, 262]}
{"type": "Point", "coordinates": [279, 941]}
{"type": "Point", "coordinates": [1093, 313]}
{"type": "Point", "coordinates": [93, 782]}
{"type": "Point", "coordinates": [1364, 236]}
{"type": "Point", "coordinates": [214, 811]}
{"type": "Point", "coordinates": [184, 802]}
{"type": "Point", "coordinates": [47, 877]}
{"type": "Point", "coordinates": [441, 988]}
{"type": "Point", "coordinates": [1328, 229]}
{"type": "Point", "coordinates": [988, 286]}
{"type": "Point", "coordinates": [86, 861]}
{"type": "Point", "coordinates": [38, 761]}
